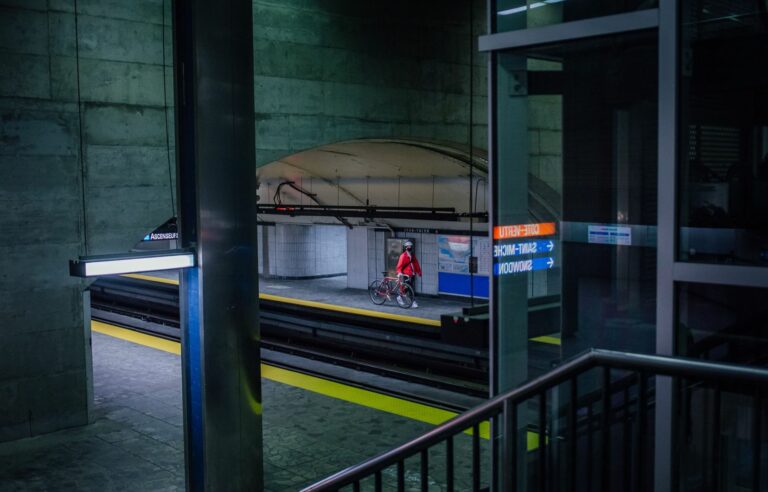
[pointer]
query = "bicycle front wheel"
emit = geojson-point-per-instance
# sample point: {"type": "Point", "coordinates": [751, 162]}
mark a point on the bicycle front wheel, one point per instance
{"type": "Point", "coordinates": [378, 292]}
{"type": "Point", "coordinates": [405, 299]}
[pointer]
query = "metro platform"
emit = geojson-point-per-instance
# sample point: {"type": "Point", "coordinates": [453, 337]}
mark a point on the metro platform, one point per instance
{"type": "Point", "coordinates": [332, 293]}
{"type": "Point", "coordinates": [311, 428]}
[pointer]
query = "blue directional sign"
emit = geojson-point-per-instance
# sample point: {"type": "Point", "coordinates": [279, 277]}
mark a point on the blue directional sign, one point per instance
{"type": "Point", "coordinates": [524, 248]}
{"type": "Point", "coordinates": [523, 266]}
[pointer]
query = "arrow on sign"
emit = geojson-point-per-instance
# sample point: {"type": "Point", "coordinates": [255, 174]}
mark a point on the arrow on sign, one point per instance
{"type": "Point", "coordinates": [550, 246]}
{"type": "Point", "coordinates": [543, 263]}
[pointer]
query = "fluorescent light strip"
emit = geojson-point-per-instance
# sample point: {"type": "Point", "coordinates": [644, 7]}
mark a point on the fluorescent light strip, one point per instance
{"type": "Point", "coordinates": [95, 268]}
{"type": "Point", "coordinates": [532, 6]}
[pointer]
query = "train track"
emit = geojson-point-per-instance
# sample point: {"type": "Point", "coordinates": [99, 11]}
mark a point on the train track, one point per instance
{"type": "Point", "coordinates": [398, 358]}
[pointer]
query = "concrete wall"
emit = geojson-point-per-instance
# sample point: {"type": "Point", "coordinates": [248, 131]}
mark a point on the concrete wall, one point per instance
{"type": "Point", "coordinates": [341, 70]}
{"type": "Point", "coordinates": [425, 247]}
{"type": "Point", "coordinates": [357, 258]}
{"type": "Point", "coordinates": [365, 269]}
{"type": "Point", "coordinates": [545, 140]}
{"type": "Point", "coordinates": [44, 354]}
{"type": "Point", "coordinates": [376, 253]}
{"type": "Point", "coordinates": [94, 177]}
{"type": "Point", "coordinates": [302, 251]}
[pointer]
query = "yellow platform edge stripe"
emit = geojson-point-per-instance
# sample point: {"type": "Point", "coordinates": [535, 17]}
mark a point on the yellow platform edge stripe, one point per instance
{"type": "Point", "coordinates": [548, 339]}
{"type": "Point", "coordinates": [358, 396]}
{"type": "Point", "coordinates": [370, 399]}
{"type": "Point", "coordinates": [151, 278]}
{"type": "Point", "coordinates": [345, 309]}
{"type": "Point", "coordinates": [312, 304]}
{"type": "Point", "coordinates": [136, 337]}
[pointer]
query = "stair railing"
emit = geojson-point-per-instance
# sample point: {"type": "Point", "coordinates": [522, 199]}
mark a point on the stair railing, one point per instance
{"type": "Point", "coordinates": [504, 408]}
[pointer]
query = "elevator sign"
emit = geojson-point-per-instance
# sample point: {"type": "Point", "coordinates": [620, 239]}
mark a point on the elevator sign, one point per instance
{"type": "Point", "coordinates": [514, 252]}
{"type": "Point", "coordinates": [523, 266]}
{"type": "Point", "coordinates": [602, 234]}
{"type": "Point", "coordinates": [524, 248]}
{"type": "Point", "coordinates": [523, 230]}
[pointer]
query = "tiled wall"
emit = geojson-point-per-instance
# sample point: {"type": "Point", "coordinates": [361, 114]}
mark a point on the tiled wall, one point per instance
{"type": "Point", "coordinates": [295, 250]}
{"type": "Point", "coordinates": [362, 270]}
{"type": "Point", "coordinates": [426, 252]}
{"type": "Point", "coordinates": [357, 258]}
{"type": "Point", "coordinates": [376, 243]}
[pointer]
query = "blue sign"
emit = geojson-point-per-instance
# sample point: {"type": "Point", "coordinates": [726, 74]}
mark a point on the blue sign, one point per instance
{"type": "Point", "coordinates": [602, 234]}
{"type": "Point", "coordinates": [523, 266]}
{"type": "Point", "coordinates": [524, 248]}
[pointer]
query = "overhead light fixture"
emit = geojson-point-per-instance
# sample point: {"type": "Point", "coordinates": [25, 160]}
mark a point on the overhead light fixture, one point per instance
{"type": "Point", "coordinates": [94, 266]}
{"type": "Point", "coordinates": [532, 6]}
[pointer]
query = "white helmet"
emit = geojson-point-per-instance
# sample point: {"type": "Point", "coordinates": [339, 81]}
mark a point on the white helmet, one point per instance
{"type": "Point", "coordinates": [408, 244]}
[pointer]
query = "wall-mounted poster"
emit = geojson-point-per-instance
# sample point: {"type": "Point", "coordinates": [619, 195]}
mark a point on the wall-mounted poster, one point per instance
{"type": "Point", "coordinates": [453, 265]}
{"type": "Point", "coordinates": [392, 253]}
{"type": "Point", "coordinates": [454, 252]}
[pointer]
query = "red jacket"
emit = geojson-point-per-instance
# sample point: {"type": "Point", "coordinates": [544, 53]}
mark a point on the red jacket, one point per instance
{"type": "Point", "coordinates": [408, 265]}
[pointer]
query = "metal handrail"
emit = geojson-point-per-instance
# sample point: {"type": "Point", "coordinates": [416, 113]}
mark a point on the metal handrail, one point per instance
{"type": "Point", "coordinates": [648, 364]}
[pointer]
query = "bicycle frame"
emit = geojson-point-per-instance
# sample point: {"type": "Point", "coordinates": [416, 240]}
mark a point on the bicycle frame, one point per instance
{"type": "Point", "coordinates": [395, 284]}
{"type": "Point", "coordinates": [381, 291]}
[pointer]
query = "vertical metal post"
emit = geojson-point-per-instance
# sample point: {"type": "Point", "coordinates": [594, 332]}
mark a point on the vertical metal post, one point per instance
{"type": "Point", "coordinates": [542, 455]}
{"type": "Point", "coordinates": [573, 432]}
{"type": "Point", "coordinates": [213, 68]}
{"type": "Point", "coordinates": [476, 458]}
{"type": "Point", "coordinates": [605, 432]}
{"type": "Point", "coordinates": [626, 443]}
{"type": "Point", "coordinates": [509, 451]}
{"type": "Point", "coordinates": [666, 239]}
{"type": "Point", "coordinates": [756, 443]}
{"type": "Point", "coordinates": [449, 469]}
{"type": "Point", "coordinates": [714, 466]}
{"type": "Point", "coordinates": [640, 442]}
{"type": "Point", "coordinates": [493, 363]}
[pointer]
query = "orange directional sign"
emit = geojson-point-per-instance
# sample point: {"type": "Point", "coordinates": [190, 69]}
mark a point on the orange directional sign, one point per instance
{"type": "Point", "coordinates": [523, 230]}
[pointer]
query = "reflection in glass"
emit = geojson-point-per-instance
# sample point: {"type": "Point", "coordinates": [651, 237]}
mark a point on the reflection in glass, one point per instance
{"type": "Point", "coordinates": [576, 145]}
{"type": "Point", "coordinates": [724, 133]}
{"type": "Point", "coordinates": [723, 323]}
{"type": "Point", "coordinates": [512, 15]}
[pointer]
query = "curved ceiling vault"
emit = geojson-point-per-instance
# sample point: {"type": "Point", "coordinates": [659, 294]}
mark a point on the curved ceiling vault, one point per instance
{"type": "Point", "coordinates": [379, 172]}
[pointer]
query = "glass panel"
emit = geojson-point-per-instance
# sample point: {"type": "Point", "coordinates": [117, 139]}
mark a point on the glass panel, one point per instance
{"type": "Point", "coordinates": [576, 167]}
{"type": "Point", "coordinates": [717, 435]}
{"type": "Point", "coordinates": [723, 323]}
{"type": "Point", "coordinates": [724, 133]}
{"type": "Point", "coordinates": [719, 440]}
{"type": "Point", "coordinates": [512, 15]}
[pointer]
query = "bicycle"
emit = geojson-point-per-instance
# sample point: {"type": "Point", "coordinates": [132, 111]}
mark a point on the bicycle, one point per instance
{"type": "Point", "coordinates": [383, 290]}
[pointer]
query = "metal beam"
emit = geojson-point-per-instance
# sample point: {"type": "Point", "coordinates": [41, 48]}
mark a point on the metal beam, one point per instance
{"type": "Point", "coordinates": [567, 31]}
{"type": "Point", "coordinates": [217, 181]}
{"type": "Point", "coordinates": [664, 456]}
{"type": "Point", "coordinates": [367, 212]}
{"type": "Point", "coordinates": [744, 276]}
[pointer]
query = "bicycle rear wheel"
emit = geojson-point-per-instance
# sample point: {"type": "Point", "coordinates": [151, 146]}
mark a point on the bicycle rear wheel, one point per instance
{"type": "Point", "coordinates": [377, 292]}
{"type": "Point", "coordinates": [406, 297]}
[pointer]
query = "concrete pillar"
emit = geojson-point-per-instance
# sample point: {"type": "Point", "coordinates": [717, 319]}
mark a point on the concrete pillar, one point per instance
{"type": "Point", "coordinates": [357, 258]}
{"type": "Point", "coordinates": [217, 193]}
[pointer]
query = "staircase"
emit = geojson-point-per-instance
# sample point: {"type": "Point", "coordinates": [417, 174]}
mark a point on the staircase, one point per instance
{"type": "Point", "coordinates": [589, 425]}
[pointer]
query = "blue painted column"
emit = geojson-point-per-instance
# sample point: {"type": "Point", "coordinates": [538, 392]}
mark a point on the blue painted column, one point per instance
{"type": "Point", "coordinates": [213, 67]}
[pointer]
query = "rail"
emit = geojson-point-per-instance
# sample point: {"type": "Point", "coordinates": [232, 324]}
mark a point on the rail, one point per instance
{"type": "Point", "coordinates": [507, 407]}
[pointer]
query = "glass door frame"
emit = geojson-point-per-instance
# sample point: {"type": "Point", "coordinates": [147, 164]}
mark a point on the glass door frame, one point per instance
{"type": "Point", "coordinates": [666, 18]}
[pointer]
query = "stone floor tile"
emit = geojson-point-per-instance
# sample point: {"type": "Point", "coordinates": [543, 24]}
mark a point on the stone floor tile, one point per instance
{"type": "Point", "coordinates": [136, 439]}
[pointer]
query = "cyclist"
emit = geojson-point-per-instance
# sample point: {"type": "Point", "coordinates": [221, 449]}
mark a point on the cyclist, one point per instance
{"type": "Point", "coordinates": [408, 265]}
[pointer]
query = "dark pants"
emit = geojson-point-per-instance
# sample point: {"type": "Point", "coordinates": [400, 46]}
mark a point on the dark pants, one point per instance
{"type": "Point", "coordinates": [412, 282]}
